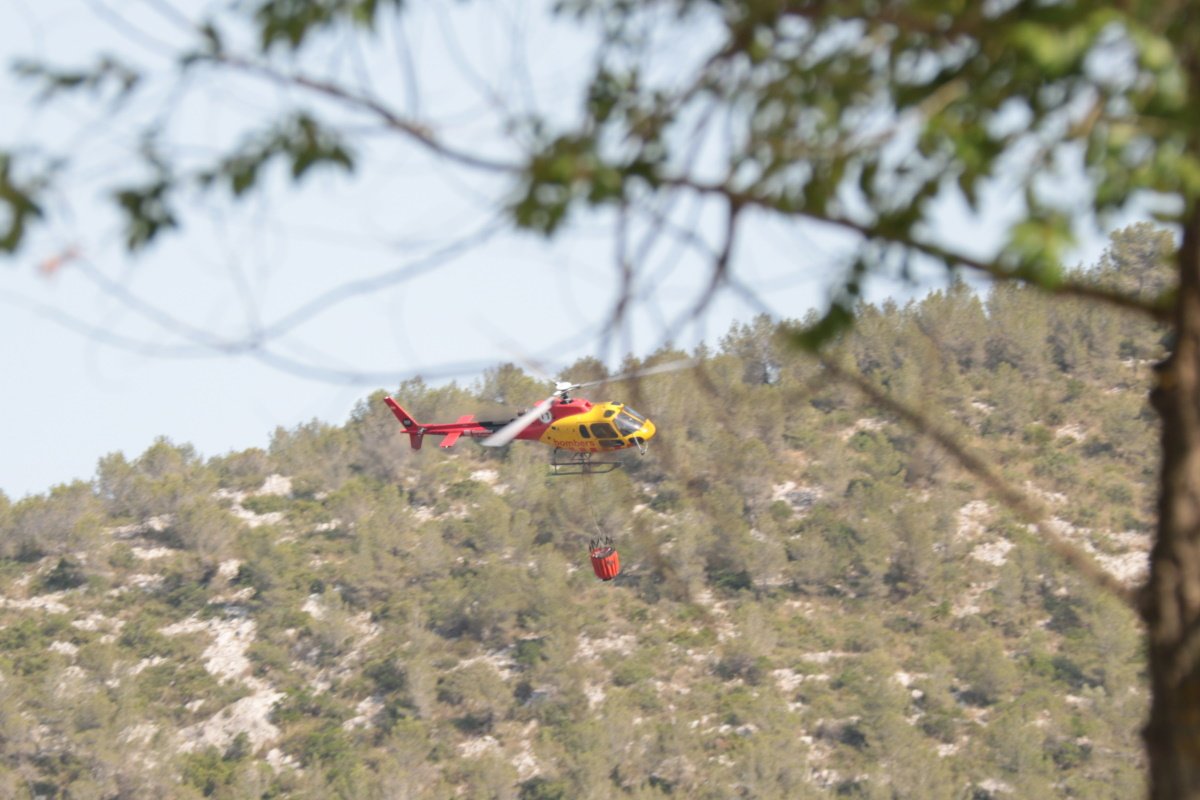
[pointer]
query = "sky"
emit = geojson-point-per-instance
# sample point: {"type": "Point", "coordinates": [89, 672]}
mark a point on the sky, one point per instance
{"type": "Point", "coordinates": [350, 283]}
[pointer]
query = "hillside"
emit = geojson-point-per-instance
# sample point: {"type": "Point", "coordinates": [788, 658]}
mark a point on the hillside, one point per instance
{"type": "Point", "coordinates": [816, 600]}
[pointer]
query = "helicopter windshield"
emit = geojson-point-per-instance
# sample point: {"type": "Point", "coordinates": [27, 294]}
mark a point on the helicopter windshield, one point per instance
{"type": "Point", "coordinates": [639, 417]}
{"type": "Point", "coordinates": [627, 423]}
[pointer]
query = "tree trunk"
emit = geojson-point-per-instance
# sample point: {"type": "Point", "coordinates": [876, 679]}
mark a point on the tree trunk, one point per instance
{"type": "Point", "coordinates": [1171, 599]}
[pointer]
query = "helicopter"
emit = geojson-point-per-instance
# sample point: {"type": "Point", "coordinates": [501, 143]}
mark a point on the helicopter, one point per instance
{"type": "Point", "coordinates": [581, 432]}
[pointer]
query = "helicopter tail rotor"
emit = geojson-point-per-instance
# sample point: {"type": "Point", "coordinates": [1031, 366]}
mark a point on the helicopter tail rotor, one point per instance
{"type": "Point", "coordinates": [414, 429]}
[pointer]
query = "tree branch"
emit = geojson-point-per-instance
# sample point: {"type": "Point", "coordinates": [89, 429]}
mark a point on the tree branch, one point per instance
{"type": "Point", "coordinates": [1157, 312]}
{"type": "Point", "coordinates": [413, 130]}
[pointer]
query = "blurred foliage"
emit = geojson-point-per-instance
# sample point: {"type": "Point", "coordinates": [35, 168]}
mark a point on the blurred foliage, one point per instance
{"type": "Point", "coordinates": [858, 117]}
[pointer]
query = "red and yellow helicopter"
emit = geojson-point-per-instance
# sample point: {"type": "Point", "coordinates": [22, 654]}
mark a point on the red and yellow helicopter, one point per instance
{"type": "Point", "coordinates": [577, 429]}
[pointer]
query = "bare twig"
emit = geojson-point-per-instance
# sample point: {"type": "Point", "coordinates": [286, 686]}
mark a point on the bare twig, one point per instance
{"type": "Point", "coordinates": [719, 277]}
{"type": "Point", "coordinates": [121, 24]}
{"type": "Point", "coordinates": [415, 131]}
{"type": "Point", "coordinates": [351, 289]}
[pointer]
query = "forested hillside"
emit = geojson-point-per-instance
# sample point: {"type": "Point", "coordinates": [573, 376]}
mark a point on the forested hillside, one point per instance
{"type": "Point", "coordinates": [817, 598]}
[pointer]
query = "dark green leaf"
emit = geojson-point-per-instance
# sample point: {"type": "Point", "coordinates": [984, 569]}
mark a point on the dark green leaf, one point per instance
{"type": "Point", "coordinates": [18, 206]}
{"type": "Point", "coordinates": [835, 321]}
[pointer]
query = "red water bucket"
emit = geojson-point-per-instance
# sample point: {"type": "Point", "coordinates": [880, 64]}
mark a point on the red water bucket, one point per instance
{"type": "Point", "coordinates": [606, 562]}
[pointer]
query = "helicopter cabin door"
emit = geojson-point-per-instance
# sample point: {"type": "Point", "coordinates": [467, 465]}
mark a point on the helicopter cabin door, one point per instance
{"type": "Point", "coordinates": [606, 435]}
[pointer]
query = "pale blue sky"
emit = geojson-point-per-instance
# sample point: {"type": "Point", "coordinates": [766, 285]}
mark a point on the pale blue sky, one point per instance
{"type": "Point", "coordinates": [71, 397]}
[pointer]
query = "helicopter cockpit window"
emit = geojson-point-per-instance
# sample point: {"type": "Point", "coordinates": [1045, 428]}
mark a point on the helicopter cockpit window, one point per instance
{"type": "Point", "coordinates": [627, 424]}
{"type": "Point", "coordinates": [602, 430]}
{"type": "Point", "coordinates": [639, 417]}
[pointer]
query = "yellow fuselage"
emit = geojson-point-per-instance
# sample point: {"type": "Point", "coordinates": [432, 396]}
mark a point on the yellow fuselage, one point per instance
{"type": "Point", "coordinates": [583, 427]}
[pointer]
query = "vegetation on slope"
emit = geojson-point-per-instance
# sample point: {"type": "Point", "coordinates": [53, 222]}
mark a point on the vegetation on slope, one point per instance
{"type": "Point", "coordinates": [816, 599]}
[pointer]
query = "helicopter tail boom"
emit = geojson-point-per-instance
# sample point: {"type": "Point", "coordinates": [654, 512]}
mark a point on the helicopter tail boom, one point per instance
{"type": "Point", "coordinates": [465, 426]}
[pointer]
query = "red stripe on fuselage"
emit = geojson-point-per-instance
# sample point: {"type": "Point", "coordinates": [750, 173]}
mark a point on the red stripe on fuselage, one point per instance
{"type": "Point", "coordinates": [557, 412]}
{"type": "Point", "coordinates": [467, 426]}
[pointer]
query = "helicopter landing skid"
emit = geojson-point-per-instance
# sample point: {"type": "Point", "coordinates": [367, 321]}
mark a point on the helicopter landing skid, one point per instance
{"type": "Point", "coordinates": [580, 464]}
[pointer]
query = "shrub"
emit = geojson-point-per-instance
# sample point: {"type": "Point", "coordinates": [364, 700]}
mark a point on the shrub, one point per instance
{"type": "Point", "coordinates": [67, 574]}
{"type": "Point", "coordinates": [266, 503]}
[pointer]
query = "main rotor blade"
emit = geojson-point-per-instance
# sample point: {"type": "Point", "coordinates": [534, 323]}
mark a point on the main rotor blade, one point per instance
{"type": "Point", "coordinates": [513, 429]}
{"type": "Point", "coordinates": [670, 366]}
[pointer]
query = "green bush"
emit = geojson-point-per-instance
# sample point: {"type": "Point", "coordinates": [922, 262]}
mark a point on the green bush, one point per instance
{"type": "Point", "coordinates": [67, 574]}
{"type": "Point", "coordinates": [211, 771]}
{"type": "Point", "coordinates": [266, 503]}
{"type": "Point", "coordinates": [170, 686]}
{"type": "Point", "coordinates": [24, 643]}
{"type": "Point", "coordinates": [631, 671]}
{"type": "Point", "coordinates": [530, 652]}
{"type": "Point", "coordinates": [540, 788]}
